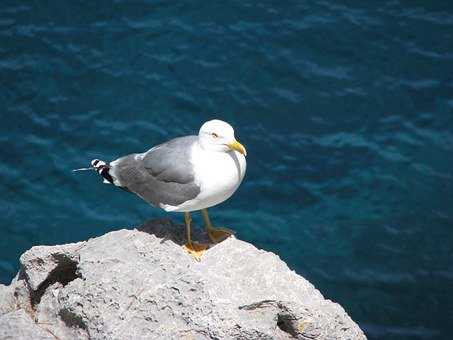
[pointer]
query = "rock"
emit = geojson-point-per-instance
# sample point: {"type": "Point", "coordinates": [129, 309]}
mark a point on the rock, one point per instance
{"type": "Point", "coordinates": [43, 263]}
{"type": "Point", "coordinates": [140, 284]}
{"type": "Point", "coordinates": [7, 299]}
{"type": "Point", "coordinates": [18, 325]}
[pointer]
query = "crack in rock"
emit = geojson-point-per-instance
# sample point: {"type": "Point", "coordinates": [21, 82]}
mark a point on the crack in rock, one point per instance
{"type": "Point", "coordinates": [64, 272]}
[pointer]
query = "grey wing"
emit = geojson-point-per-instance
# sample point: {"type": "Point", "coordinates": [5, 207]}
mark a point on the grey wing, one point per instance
{"type": "Point", "coordinates": [162, 175]}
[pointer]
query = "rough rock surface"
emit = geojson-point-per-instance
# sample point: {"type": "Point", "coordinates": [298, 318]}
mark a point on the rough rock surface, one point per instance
{"type": "Point", "coordinates": [140, 284]}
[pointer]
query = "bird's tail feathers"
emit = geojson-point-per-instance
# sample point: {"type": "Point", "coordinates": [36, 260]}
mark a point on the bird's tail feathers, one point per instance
{"type": "Point", "coordinates": [102, 169]}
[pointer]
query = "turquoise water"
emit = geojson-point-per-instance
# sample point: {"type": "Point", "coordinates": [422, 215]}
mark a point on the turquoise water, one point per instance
{"type": "Point", "coordinates": [346, 109]}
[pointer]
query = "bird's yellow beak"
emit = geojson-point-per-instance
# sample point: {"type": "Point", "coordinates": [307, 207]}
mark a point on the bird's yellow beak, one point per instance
{"type": "Point", "coordinates": [237, 147]}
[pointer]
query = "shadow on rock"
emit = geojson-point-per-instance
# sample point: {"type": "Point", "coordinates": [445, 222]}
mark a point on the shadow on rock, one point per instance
{"type": "Point", "coordinates": [167, 230]}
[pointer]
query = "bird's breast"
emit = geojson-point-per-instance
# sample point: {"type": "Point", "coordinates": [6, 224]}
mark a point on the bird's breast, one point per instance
{"type": "Point", "coordinates": [218, 174]}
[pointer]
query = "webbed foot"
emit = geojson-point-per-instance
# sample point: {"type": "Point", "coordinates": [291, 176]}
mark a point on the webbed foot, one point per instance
{"type": "Point", "coordinates": [195, 250]}
{"type": "Point", "coordinates": [217, 235]}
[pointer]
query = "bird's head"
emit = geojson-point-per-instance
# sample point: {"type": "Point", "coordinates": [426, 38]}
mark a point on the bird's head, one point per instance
{"type": "Point", "coordinates": [217, 135]}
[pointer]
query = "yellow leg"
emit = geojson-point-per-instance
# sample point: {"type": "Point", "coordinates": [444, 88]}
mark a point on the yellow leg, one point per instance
{"type": "Point", "coordinates": [215, 234]}
{"type": "Point", "coordinates": [194, 249]}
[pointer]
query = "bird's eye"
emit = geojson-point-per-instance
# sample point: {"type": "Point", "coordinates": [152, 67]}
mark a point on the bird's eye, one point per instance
{"type": "Point", "coordinates": [214, 135]}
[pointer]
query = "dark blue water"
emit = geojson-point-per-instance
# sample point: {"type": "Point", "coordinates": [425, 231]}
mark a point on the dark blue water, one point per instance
{"type": "Point", "coordinates": [346, 109]}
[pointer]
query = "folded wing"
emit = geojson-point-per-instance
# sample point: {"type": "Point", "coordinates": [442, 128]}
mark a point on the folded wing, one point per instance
{"type": "Point", "coordinates": [162, 175]}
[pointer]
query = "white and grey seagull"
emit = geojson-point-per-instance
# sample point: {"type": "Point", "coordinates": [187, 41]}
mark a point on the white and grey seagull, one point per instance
{"type": "Point", "coordinates": [184, 174]}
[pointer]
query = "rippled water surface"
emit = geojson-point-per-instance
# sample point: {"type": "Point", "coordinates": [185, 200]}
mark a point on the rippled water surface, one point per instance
{"type": "Point", "coordinates": [346, 109]}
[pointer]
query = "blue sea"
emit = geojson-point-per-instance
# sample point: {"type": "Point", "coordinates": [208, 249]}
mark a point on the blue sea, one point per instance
{"type": "Point", "coordinates": [345, 107]}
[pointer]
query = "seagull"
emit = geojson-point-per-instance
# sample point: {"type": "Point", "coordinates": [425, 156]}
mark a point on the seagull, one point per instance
{"type": "Point", "coordinates": [185, 174]}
